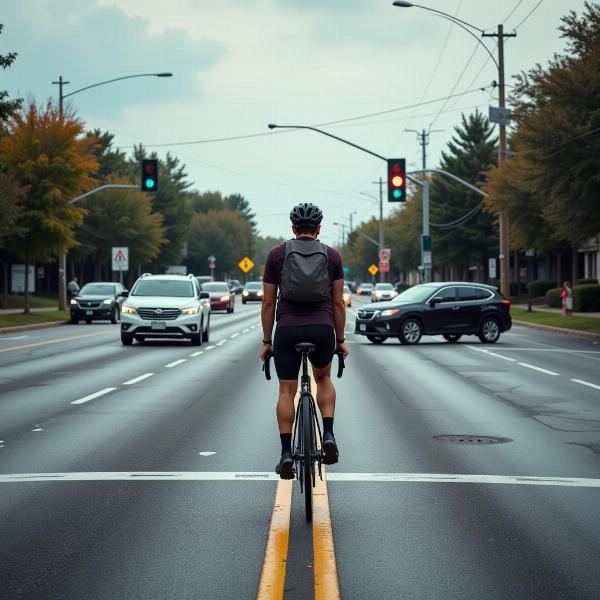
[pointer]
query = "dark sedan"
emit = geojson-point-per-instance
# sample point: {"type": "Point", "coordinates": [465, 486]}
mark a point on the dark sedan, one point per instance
{"type": "Point", "coordinates": [221, 295]}
{"type": "Point", "coordinates": [253, 290]}
{"type": "Point", "coordinates": [97, 301]}
{"type": "Point", "coordinates": [448, 309]}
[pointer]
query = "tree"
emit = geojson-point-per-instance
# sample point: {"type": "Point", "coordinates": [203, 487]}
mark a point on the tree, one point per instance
{"type": "Point", "coordinates": [111, 162]}
{"type": "Point", "coordinates": [7, 107]}
{"type": "Point", "coordinates": [240, 204]}
{"type": "Point", "coordinates": [47, 155]}
{"type": "Point", "coordinates": [471, 152]}
{"type": "Point", "coordinates": [203, 202]}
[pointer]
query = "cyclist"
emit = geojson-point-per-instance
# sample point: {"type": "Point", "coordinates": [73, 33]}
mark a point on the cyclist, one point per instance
{"type": "Point", "coordinates": [319, 321]}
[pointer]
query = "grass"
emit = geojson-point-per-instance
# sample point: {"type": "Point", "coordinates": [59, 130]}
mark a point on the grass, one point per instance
{"type": "Point", "coordinates": [577, 322]}
{"type": "Point", "coordinates": [20, 319]}
{"type": "Point", "coordinates": [14, 301]}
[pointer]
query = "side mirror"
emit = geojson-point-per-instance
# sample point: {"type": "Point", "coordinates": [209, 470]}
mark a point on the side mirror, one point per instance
{"type": "Point", "coordinates": [433, 302]}
{"type": "Point", "coordinates": [204, 295]}
{"type": "Point", "coordinates": [124, 294]}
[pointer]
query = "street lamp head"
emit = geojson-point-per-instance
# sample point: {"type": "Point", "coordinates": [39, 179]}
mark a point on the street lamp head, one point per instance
{"type": "Point", "coordinates": [402, 4]}
{"type": "Point", "coordinates": [164, 74]}
{"type": "Point", "coordinates": [271, 126]}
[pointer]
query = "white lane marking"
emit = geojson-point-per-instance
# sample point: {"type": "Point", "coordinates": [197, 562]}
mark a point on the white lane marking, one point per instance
{"type": "Point", "coordinates": [565, 350]}
{"type": "Point", "coordinates": [209, 347]}
{"type": "Point", "coordinates": [234, 335]}
{"type": "Point", "coordinates": [592, 385]}
{"type": "Point", "coordinates": [175, 363]}
{"type": "Point", "coordinates": [37, 429]}
{"type": "Point", "coordinates": [18, 337]}
{"type": "Point", "coordinates": [95, 395]}
{"type": "Point", "coordinates": [492, 354]}
{"type": "Point", "coordinates": [332, 477]}
{"type": "Point", "coordinates": [246, 330]}
{"type": "Point", "coordinates": [137, 379]}
{"type": "Point", "coordinates": [222, 342]}
{"type": "Point", "coordinates": [196, 353]}
{"type": "Point", "coordinates": [206, 453]}
{"type": "Point", "coordinates": [537, 368]}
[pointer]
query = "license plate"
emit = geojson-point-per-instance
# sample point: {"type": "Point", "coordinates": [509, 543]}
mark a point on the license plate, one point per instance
{"type": "Point", "coordinates": [89, 312]}
{"type": "Point", "coordinates": [158, 325]}
{"type": "Point", "coordinates": [362, 327]}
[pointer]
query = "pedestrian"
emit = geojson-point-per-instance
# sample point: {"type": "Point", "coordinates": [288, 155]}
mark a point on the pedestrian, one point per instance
{"type": "Point", "coordinates": [72, 288]}
{"type": "Point", "coordinates": [567, 299]}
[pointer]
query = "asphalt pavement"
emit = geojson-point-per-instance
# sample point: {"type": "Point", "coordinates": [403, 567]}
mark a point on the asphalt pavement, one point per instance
{"type": "Point", "coordinates": [466, 470]}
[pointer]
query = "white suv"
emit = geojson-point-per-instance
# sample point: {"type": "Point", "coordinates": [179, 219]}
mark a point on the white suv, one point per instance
{"type": "Point", "coordinates": [165, 306]}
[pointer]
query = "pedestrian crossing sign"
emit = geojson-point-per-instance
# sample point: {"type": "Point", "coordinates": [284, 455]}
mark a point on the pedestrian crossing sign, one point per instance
{"type": "Point", "coordinates": [245, 264]}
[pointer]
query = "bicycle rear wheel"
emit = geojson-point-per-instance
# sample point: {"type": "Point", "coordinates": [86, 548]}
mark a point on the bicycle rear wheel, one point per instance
{"type": "Point", "coordinates": [307, 463]}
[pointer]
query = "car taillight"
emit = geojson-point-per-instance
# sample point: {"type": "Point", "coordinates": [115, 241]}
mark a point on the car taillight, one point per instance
{"type": "Point", "coordinates": [506, 302]}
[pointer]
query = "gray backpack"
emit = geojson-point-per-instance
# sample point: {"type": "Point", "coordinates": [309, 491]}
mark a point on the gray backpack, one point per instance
{"type": "Point", "coordinates": [305, 277]}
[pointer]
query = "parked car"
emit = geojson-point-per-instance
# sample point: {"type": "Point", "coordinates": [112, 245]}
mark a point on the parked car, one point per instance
{"type": "Point", "coordinates": [448, 309]}
{"type": "Point", "coordinates": [165, 306]}
{"type": "Point", "coordinates": [364, 289]}
{"type": "Point", "coordinates": [221, 295]}
{"type": "Point", "coordinates": [383, 291]}
{"type": "Point", "coordinates": [235, 286]}
{"type": "Point", "coordinates": [347, 296]}
{"type": "Point", "coordinates": [97, 301]}
{"type": "Point", "coordinates": [253, 290]}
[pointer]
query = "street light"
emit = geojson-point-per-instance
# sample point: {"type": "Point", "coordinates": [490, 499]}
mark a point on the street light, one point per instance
{"type": "Point", "coordinates": [343, 226]}
{"type": "Point", "coordinates": [468, 27]}
{"type": "Point", "coordinates": [62, 259]}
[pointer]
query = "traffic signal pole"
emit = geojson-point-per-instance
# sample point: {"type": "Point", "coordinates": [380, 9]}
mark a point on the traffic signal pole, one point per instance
{"type": "Point", "coordinates": [381, 237]}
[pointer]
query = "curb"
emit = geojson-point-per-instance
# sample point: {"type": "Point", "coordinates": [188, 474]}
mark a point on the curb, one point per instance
{"type": "Point", "coordinates": [17, 328]}
{"type": "Point", "coordinates": [570, 332]}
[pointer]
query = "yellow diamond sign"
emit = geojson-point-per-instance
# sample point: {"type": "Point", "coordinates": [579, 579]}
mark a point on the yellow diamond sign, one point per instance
{"type": "Point", "coordinates": [373, 270]}
{"type": "Point", "coordinates": [245, 264]}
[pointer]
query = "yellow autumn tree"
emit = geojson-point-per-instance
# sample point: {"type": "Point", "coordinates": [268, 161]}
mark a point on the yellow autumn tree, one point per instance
{"type": "Point", "coordinates": [50, 157]}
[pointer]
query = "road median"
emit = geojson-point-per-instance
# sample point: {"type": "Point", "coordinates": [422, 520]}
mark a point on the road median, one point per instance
{"type": "Point", "coordinates": [37, 320]}
{"type": "Point", "coordinates": [550, 321]}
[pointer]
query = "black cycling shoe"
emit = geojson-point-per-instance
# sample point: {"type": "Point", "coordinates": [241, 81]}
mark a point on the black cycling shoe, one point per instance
{"type": "Point", "coordinates": [285, 466]}
{"type": "Point", "coordinates": [330, 449]}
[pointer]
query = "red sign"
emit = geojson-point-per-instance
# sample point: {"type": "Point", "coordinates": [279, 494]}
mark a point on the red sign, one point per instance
{"type": "Point", "coordinates": [384, 266]}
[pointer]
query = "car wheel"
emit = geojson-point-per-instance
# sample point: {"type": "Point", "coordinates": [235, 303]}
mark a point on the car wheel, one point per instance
{"type": "Point", "coordinates": [452, 337]}
{"type": "Point", "coordinates": [489, 331]}
{"type": "Point", "coordinates": [206, 334]}
{"type": "Point", "coordinates": [74, 321]}
{"type": "Point", "coordinates": [411, 331]}
{"type": "Point", "coordinates": [376, 339]}
{"type": "Point", "coordinates": [126, 339]}
{"type": "Point", "coordinates": [196, 339]}
{"type": "Point", "coordinates": [243, 301]}
{"type": "Point", "coordinates": [113, 317]}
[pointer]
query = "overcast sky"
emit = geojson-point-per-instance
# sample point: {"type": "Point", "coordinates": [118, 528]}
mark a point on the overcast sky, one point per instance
{"type": "Point", "coordinates": [241, 64]}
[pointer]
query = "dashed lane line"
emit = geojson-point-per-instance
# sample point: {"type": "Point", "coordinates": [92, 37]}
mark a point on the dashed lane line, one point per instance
{"type": "Point", "coordinates": [138, 379]}
{"type": "Point", "coordinates": [210, 347]}
{"type": "Point", "coordinates": [222, 342]}
{"type": "Point", "coordinates": [587, 383]}
{"type": "Point", "coordinates": [95, 395]}
{"type": "Point", "coordinates": [235, 335]}
{"type": "Point", "coordinates": [196, 353]}
{"type": "Point", "coordinates": [491, 354]}
{"type": "Point", "coordinates": [246, 330]}
{"type": "Point", "coordinates": [175, 363]}
{"type": "Point", "coordinates": [546, 371]}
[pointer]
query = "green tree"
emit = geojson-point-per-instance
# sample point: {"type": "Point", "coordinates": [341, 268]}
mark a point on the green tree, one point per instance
{"type": "Point", "coordinates": [262, 247]}
{"type": "Point", "coordinates": [240, 204]}
{"type": "Point", "coordinates": [49, 156]}
{"type": "Point", "coordinates": [7, 107]}
{"type": "Point", "coordinates": [471, 152]}
{"type": "Point", "coordinates": [111, 162]}
{"type": "Point", "coordinates": [205, 201]}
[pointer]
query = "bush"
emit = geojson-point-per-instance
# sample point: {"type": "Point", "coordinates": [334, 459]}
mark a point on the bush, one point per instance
{"type": "Point", "coordinates": [538, 287]}
{"type": "Point", "coordinates": [553, 298]}
{"type": "Point", "coordinates": [586, 298]}
{"type": "Point", "coordinates": [584, 281]}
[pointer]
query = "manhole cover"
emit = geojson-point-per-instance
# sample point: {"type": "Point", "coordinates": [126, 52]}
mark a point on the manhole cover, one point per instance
{"type": "Point", "coordinates": [471, 439]}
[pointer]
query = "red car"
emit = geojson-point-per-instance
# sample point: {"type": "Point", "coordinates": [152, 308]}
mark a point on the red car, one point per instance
{"type": "Point", "coordinates": [221, 296]}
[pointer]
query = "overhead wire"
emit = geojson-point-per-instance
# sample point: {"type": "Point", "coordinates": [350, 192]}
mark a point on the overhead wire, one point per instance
{"type": "Point", "coordinates": [528, 15]}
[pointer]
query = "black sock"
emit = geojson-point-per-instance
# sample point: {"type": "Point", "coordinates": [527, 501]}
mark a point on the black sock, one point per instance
{"type": "Point", "coordinates": [328, 425]}
{"type": "Point", "coordinates": [286, 442]}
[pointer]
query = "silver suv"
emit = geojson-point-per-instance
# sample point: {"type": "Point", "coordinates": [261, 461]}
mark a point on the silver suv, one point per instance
{"type": "Point", "coordinates": [165, 306]}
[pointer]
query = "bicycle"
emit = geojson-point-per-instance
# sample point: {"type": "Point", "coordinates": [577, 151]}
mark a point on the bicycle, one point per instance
{"type": "Point", "coordinates": [306, 451]}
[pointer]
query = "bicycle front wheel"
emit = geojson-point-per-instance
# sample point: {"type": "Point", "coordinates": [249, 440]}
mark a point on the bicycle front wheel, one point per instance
{"type": "Point", "coordinates": [307, 437]}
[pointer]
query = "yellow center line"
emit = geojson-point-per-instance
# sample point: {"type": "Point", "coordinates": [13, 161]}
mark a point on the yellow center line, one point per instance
{"type": "Point", "coordinates": [36, 344]}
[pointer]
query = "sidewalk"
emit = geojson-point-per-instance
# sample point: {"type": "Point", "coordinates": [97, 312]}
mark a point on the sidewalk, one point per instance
{"type": "Point", "coordinates": [16, 311]}
{"type": "Point", "coordinates": [557, 311]}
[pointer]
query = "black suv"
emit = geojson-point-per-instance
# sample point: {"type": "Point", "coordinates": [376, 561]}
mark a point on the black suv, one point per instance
{"type": "Point", "coordinates": [449, 309]}
{"type": "Point", "coordinates": [97, 301]}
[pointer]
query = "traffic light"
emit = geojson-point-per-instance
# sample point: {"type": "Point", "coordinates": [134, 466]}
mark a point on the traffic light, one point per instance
{"type": "Point", "coordinates": [396, 180]}
{"type": "Point", "coordinates": [149, 175]}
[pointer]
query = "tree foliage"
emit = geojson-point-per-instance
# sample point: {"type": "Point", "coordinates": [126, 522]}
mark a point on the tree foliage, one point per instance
{"type": "Point", "coordinates": [7, 107]}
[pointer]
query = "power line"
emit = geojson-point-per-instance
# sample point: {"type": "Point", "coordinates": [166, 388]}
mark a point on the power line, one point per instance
{"type": "Point", "coordinates": [528, 15]}
{"type": "Point", "coordinates": [461, 220]}
{"type": "Point", "coordinates": [510, 14]}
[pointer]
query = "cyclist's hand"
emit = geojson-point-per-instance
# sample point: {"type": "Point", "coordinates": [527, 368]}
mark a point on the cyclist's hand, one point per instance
{"type": "Point", "coordinates": [343, 348]}
{"type": "Point", "coordinates": [266, 348]}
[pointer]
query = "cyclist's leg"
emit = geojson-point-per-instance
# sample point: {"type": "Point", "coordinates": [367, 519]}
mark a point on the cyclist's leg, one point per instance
{"type": "Point", "coordinates": [325, 390]}
{"type": "Point", "coordinates": [285, 404]}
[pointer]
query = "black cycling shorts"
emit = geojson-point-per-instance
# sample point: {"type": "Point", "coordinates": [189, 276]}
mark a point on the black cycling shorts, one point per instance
{"type": "Point", "coordinates": [287, 360]}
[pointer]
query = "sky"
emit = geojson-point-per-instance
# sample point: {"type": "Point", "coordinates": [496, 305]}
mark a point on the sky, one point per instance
{"type": "Point", "coordinates": [239, 65]}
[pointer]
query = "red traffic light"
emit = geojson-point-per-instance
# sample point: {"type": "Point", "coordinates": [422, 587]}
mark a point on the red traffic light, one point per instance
{"type": "Point", "coordinates": [396, 180]}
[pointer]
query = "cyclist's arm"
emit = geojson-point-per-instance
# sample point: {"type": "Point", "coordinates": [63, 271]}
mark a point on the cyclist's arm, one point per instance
{"type": "Point", "coordinates": [339, 308]}
{"type": "Point", "coordinates": [267, 311]}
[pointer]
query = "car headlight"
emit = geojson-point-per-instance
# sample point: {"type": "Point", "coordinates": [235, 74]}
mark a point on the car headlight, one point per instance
{"type": "Point", "coordinates": [390, 312]}
{"type": "Point", "coordinates": [379, 294]}
{"type": "Point", "coordinates": [244, 293]}
{"type": "Point", "coordinates": [73, 301]}
{"type": "Point", "coordinates": [224, 298]}
{"type": "Point", "coordinates": [108, 301]}
{"type": "Point", "coordinates": [192, 310]}
{"type": "Point", "coordinates": [128, 310]}
{"type": "Point", "coordinates": [259, 293]}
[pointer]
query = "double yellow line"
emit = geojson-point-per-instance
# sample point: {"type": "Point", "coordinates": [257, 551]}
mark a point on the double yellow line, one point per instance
{"type": "Point", "coordinates": [272, 579]}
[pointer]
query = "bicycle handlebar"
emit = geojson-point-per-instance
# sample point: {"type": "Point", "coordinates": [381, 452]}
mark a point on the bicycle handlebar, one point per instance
{"type": "Point", "coordinates": [267, 365]}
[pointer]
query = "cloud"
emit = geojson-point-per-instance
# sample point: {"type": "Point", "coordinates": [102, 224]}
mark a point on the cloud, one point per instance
{"type": "Point", "coordinates": [88, 44]}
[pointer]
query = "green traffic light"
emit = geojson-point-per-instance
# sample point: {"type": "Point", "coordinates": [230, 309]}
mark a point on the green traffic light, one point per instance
{"type": "Point", "coordinates": [397, 193]}
{"type": "Point", "coordinates": [149, 183]}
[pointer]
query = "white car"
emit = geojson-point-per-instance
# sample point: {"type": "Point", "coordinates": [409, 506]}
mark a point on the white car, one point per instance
{"type": "Point", "coordinates": [165, 306]}
{"type": "Point", "coordinates": [383, 291]}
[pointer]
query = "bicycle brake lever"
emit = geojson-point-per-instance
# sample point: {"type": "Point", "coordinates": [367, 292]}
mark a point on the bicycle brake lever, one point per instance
{"type": "Point", "coordinates": [341, 364]}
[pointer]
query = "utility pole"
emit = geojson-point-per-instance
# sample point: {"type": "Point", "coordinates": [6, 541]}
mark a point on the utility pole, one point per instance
{"type": "Point", "coordinates": [423, 137]}
{"type": "Point", "coordinates": [504, 232]}
{"type": "Point", "coordinates": [381, 238]}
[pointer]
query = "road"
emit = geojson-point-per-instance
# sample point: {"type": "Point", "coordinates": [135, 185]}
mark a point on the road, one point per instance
{"type": "Point", "coordinates": [146, 471]}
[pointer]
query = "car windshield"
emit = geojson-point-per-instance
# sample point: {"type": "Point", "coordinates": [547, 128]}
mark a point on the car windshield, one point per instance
{"type": "Point", "coordinates": [215, 287]}
{"type": "Point", "coordinates": [366, 286]}
{"type": "Point", "coordinates": [97, 289]}
{"type": "Point", "coordinates": [164, 287]}
{"type": "Point", "coordinates": [346, 289]}
{"type": "Point", "coordinates": [384, 286]}
{"type": "Point", "coordinates": [418, 293]}
{"type": "Point", "coordinates": [257, 285]}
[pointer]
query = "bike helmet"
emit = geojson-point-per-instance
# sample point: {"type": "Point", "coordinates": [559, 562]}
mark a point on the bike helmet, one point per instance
{"type": "Point", "coordinates": [306, 213]}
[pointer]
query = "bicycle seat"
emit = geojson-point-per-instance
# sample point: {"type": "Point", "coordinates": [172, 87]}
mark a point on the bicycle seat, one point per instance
{"type": "Point", "coordinates": [305, 347]}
